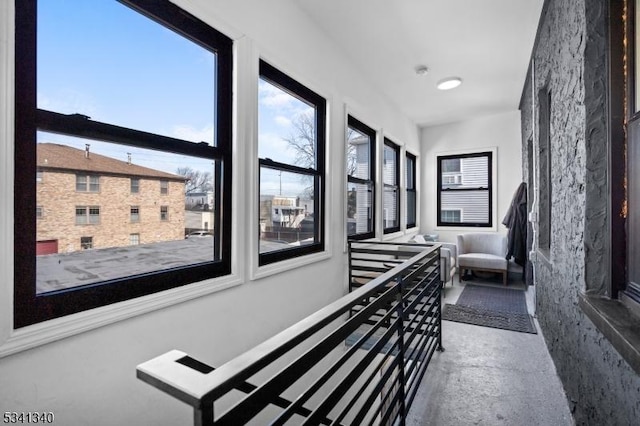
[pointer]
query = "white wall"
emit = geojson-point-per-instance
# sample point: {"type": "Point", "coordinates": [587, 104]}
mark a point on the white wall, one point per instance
{"type": "Point", "coordinates": [500, 132]}
{"type": "Point", "coordinates": [89, 377]}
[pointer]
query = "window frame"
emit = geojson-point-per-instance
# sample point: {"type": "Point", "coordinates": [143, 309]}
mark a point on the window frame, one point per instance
{"type": "Point", "coordinates": [90, 182]}
{"type": "Point", "coordinates": [134, 217]}
{"type": "Point", "coordinates": [87, 216]}
{"type": "Point", "coordinates": [395, 186]}
{"type": "Point", "coordinates": [372, 134]}
{"type": "Point", "coordinates": [489, 189]}
{"type": "Point", "coordinates": [411, 186]}
{"type": "Point", "coordinates": [134, 187]}
{"type": "Point", "coordinates": [86, 243]}
{"type": "Point", "coordinates": [289, 85]}
{"type": "Point", "coordinates": [164, 213]}
{"type": "Point", "coordinates": [30, 308]}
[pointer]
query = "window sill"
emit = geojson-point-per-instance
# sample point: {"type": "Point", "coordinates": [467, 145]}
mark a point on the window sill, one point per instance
{"type": "Point", "coordinates": [392, 235]}
{"type": "Point", "coordinates": [617, 323]}
{"type": "Point", "coordinates": [60, 328]}
{"type": "Point", "coordinates": [289, 264]}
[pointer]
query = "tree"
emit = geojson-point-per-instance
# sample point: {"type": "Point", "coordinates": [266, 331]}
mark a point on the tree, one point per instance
{"type": "Point", "coordinates": [303, 139]}
{"type": "Point", "coordinates": [303, 142]}
{"type": "Point", "coordinates": [197, 180]}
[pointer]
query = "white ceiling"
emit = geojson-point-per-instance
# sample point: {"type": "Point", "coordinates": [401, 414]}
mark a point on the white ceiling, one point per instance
{"type": "Point", "coordinates": [485, 42]}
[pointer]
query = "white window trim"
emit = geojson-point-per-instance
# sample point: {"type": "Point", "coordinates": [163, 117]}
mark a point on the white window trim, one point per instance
{"type": "Point", "coordinates": [350, 110]}
{"type": "Point", "coordinates": [247, 97]}
{"type": "Point", "coordinates": [401, 187]}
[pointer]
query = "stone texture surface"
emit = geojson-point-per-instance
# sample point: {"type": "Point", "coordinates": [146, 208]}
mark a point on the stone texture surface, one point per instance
{"type": "Point", "coordinates": [488, 376]}
{"type": "Point", "coordinates": [570, 56]}
{"type": "Point", "coordinates": [58, 198]}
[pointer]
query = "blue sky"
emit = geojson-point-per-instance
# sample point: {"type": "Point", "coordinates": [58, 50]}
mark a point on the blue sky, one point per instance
{"type": "Point", "coordinates": [103, 60]}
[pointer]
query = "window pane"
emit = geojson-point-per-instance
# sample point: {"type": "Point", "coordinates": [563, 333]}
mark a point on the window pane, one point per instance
{"type": "Point", "coordinates": [81, 216]}
{"type": "Point", "coordinates": [94, 215]}
{"type": "Point", "coordinates": [451, 165]}
{"type": "Point", "coordinates": [111, 63]}
{"type": "Point", "coordinates": [81, 183]}
{"type": "Point", "coordinates": [114, 213]}
{"type": "Point", "coordinates": [86, 243]}
{"type": "Point", "coordinates": [454, 216]}
{"type": "Point", "coordinates": [411, 170]}
{"type": "Point", "coordinates": [287, 127]}
{"type": "Point", "coordinates": [389, 165]}
{"type": "Point", "coordinates": [473, 172]}
{"type": "Point", "coordinates": [474, 205]}
{"type": "Point", "coordinates": [94, 184]}
{"type": "Point", "coordinates": [390, 209]}
{"type": "Point", "coordinates": [359, 208]}
{"type": "Point", "coordinates": [358, 150]}
{"type": "Point", "coordinates": [411, 208]}
{"type": "Point", "coordinates": [287, 205]}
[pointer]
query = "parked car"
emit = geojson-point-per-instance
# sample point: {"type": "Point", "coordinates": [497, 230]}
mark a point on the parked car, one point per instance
{"type": "Point", "coordinates": [199, 234]}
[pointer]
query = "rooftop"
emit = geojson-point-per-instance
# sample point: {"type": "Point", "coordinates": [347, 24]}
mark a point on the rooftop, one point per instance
{"type": "Point", "coordinates": [62, 157]}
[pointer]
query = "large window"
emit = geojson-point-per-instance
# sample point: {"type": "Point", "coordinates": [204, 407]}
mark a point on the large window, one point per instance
{"type": "Point", "coordinates": [412, 195]}
{"type": "Point", "coordinates": [464, 190]}
{"type": "Point", "coordinates": [291, 122]}
{"type": "Point", "coordinates": [361, 172]}
{"type": "Point", "coordinates": [123, 88]}
{"type": "Point", "coordinates": [391, 189]}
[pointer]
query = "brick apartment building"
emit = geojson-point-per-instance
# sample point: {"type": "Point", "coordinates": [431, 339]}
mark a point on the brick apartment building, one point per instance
{"type": "Point", "coordinates": [86, 200]}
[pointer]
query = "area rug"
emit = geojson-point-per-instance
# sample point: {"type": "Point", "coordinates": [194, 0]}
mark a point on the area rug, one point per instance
{"type": "Point", "coordinates": [487, 306]}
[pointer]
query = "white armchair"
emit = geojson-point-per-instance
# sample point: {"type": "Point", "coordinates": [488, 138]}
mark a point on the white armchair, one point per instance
{"type": "Point", "coordinates": [483, 251]}
{"type": "Point", "coordinates": [448, 258]}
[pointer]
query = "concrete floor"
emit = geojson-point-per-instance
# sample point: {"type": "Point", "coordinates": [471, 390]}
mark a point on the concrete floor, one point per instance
{"type": "Point", "coordinates": [490, 376]}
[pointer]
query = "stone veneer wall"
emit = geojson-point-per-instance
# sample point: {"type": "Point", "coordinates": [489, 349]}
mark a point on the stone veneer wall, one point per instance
{"type": "Point", "coordinates": [570, 56]}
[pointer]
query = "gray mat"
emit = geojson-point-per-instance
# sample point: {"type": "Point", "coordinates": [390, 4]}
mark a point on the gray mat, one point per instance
{"type": "Point", "coordinates": [502, 308]}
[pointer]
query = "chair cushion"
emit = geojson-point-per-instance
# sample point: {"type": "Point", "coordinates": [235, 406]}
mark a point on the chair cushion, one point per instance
{"type": "Point", "coordinates": [482, 261]}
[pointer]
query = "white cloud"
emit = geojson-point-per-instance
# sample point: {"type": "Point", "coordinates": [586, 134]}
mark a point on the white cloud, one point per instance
{"type": "Point", "coordinates": [282, 121]}
{"type": "Point", "coordinates": [190, 133]}
{"type": "Point", "coordinates": [273, 146]}
{"type": "Point", "coordinates": [271, 96]}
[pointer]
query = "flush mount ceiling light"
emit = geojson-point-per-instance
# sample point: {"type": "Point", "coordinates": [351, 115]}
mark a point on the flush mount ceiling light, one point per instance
{"type": "Point", "coordinates": [449, 83]}
{"type": "Point", "coordinates": [422, 70]}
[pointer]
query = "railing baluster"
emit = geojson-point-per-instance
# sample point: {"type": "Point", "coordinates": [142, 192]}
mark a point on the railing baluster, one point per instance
{"type": "Point", "coordinates": [377, 342]}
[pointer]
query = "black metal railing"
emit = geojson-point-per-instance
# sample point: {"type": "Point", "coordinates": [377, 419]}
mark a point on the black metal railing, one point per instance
{"type": "Point", "coordinates": [359, 360]}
